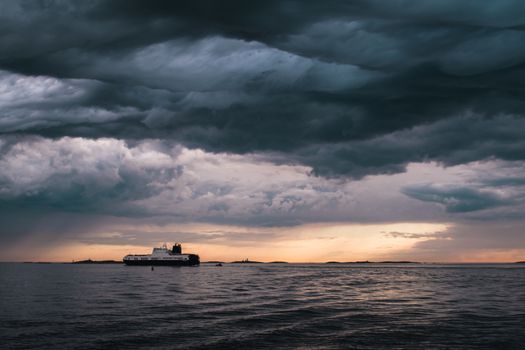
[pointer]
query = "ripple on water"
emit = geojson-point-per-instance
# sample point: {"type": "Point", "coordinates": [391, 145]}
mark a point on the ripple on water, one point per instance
{"type": "Point", "coordinates": [262, 306]}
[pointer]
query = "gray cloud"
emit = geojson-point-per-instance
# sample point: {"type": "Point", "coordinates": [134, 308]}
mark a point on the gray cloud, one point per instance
{"type": "Point", "coordinates": [432, 235]}
{"type": "Point", "coordinates": [457, 200]}
{"type": "Point", "coordinates": [488, 192]}
{"type": "Point", "coordinates": [150, 178]}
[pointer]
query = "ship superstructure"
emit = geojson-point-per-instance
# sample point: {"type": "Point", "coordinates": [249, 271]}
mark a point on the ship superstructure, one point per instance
{"type": "Point", "coordinates": [163, 256]}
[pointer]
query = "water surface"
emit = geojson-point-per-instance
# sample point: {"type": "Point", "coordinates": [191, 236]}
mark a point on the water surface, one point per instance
{"type": "Point", "coordinates": [262, 306]}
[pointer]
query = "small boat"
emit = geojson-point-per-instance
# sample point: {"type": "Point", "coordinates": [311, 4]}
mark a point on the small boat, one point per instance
{"type": "Point", "coordinates": [218, 264]}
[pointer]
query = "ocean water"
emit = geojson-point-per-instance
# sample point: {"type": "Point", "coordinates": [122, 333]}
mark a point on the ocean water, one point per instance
{"type": "Point", "coordinates": [262, 306]}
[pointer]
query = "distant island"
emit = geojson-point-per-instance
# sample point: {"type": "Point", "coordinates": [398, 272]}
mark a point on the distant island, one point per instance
{"type": "Point", "coordinates": [89, 261]}
{"type": "Point", "coordinates": [520, 262]}
{"type": "Point", "coordinates": [246, 261]}
{"type": "Point", "coordinates": [373, 262]}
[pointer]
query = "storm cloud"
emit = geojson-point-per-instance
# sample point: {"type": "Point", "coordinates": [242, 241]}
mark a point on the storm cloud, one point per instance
{"type": "Point", "coordinates": [327, 86]}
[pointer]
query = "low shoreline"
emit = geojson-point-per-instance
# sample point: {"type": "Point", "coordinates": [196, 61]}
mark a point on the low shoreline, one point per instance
{"type": "Point", "coordinates": [366, 262]}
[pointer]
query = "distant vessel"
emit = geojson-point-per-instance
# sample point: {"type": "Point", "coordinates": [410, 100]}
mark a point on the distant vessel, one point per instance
{"type": "Point", "coordinates": [163, 256]}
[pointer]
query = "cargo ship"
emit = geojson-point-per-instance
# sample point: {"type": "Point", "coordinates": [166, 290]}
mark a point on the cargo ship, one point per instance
{"type": "Point", "coordinates": [163, 257]}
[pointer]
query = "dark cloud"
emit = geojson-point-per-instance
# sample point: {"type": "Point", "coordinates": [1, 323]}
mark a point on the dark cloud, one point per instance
{"type": "Point", "coordinates": [349, 88]}
{"type": "Point", "coordinates": [505, 181]}
{"type": "Point", "coordinates": [430, 235]}
{"type": "Point", "coordinates": [457, 199]}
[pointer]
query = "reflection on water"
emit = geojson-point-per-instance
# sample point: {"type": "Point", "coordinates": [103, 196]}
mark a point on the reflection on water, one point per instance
{"type": "Point", "coordinates": [263, 306]}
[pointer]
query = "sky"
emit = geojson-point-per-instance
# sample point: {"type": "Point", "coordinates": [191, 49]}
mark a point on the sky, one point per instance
{"type": "Point", "coordinates": [302, 131]}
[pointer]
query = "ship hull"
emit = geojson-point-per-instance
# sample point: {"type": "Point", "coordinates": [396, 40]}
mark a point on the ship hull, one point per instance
{"type": "Point", "coordinates": [160, 263]}
{"type": "Point", "coordinates": [191, 260]}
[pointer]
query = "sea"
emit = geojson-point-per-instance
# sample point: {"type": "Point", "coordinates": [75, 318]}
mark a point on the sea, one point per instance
{"type": "Point", "coordinates": [262, 306]}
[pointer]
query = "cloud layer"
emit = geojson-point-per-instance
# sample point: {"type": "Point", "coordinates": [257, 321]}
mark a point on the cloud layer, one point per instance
{"type": "Point", "coordinates": [269, 114]}
{"type": "Point", "coordinates": [108, 176]}
{"type": "Point", "coordinates": [338, 87]}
